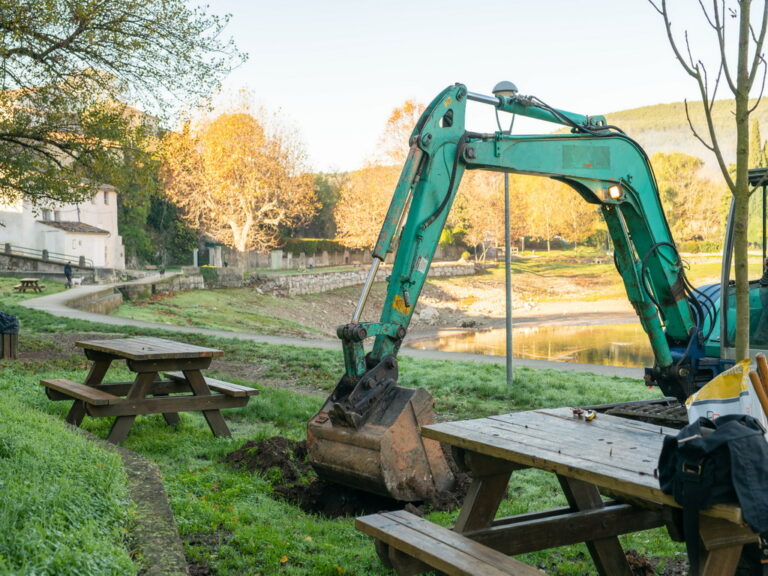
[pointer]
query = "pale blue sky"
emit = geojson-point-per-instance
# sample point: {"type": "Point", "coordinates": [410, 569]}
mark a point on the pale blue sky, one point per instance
{"type": "Point", "coordinates": [337, 68]}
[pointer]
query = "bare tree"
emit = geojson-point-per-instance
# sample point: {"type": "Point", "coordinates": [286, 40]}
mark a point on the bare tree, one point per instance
{"type": "Point", "coordinates": [739, 67]}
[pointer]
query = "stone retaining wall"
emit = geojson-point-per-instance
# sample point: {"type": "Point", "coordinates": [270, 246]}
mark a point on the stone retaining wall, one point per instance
{"type": "Point", "coordinates": [108, 300]}
{"type": "Point", "coordinates": [101, 302]}
{"type": "Point", "coordinates": [297, 284]}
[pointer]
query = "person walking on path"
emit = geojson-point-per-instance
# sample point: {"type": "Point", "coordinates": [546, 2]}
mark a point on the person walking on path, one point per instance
{"type": "Point", "coordinates": [68, 273]}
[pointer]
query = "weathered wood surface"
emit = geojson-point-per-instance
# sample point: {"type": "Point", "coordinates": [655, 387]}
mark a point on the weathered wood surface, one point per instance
{"type": "Point", "coordinates": [218, 385]}
{"type": "Point", "coordinates": [148, 393]}
{"type": "Point", "coordinates": [166, 404]}
{"type": "Point", "coordinates": [562, 526]}
{"type": "Point", "coordinates": [146, 348]}
{"type": "Point", "coordinates": [73, 390]}
{"type": "Point", "coordinates": [613, 453]}
{"type": "Point", "coordinates": [438, 547]}
{"type": "Point", "coordinates": [29, 284]}
{"type": "Point", "coordinates": [9, 344]}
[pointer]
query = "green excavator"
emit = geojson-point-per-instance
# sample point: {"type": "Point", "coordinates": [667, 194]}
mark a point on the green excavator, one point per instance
{"type": "Point", "coordinates": [366, 435]}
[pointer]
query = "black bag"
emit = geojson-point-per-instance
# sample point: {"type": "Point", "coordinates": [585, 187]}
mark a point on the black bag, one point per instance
{"type": "Point", "coordinates": [9, 324]}
{"type": "Point", "coordinates": [715, 462]}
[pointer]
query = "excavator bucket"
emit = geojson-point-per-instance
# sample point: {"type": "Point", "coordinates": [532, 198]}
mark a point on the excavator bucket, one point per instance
{"type": "Point", "coordinates": [385, 454]}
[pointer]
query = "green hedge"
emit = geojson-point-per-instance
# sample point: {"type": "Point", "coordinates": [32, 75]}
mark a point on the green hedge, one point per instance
{"type": "Point", "coordinates": [695, 247]}
{"type": "Point", "coordinates": [312, 246]}
{"type": "Point", "coordinates": [63, 504]}
{"type": "Point", "coordinates": [210, 275]}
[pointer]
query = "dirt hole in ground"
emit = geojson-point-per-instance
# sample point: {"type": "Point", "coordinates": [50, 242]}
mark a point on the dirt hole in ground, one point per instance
{"type": "Point", "coordinates": [284, 464]}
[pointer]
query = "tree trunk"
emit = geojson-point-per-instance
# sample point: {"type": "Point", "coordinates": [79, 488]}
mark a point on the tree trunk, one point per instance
{"type": "Point", "coordinates": [741, 192]}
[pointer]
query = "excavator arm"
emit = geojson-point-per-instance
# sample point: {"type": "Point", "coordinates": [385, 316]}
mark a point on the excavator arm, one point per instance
{"type": "Point", "coordinates": [600, 162]}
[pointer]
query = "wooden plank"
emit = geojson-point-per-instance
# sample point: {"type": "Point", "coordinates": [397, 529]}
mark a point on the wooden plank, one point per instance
{"type": "Point", "coordinates": [146, 348]}
{"type": "Point", "coordinates": [556, 442]}
{"type": "Point", "coordinates": [158, 388]}
{"type": "Point", "coordinates": [217, 385]}
{"type": "Point", "coordinates": [167, 404]}
{"type": "Point", "coordinates": [439, 547]}
{"type": "Point", "coordinates": [607, 553]}
{"type": "Point", "coordinates": [164, 365]}
{"type": "Point", "coordinates": [76, 391]}
{"type": "Point", "coordinates": [562, 527]}
{"type": "Point", "coordinates": [214, 418]}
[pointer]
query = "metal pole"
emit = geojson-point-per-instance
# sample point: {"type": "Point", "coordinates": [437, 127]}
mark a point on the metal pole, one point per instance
{"type": "Point", "coordinates": [508, 278]}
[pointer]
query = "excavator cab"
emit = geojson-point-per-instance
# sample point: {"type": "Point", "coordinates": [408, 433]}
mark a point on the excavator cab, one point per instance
{"type": "Point", "coordinates": [725, 331]}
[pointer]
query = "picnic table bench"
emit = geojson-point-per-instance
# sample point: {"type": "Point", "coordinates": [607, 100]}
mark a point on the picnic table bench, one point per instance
{"type": "Point", "coordinates": [612, 456]}
{"type": "Point", "coordinates": [183, 389]}
{"type": "Point", "coordinates": [29, 284]}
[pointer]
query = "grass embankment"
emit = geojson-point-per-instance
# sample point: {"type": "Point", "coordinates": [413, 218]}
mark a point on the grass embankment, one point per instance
{"type": "Point", "coordinates": [228, 518]}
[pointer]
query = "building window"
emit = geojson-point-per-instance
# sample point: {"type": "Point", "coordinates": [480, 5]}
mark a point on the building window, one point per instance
{"type": "Point", "coordinates": [47, 215]}
{"type": "Point", "coordinates": [57, 216]}
{"type": "Point", "coordinates": [106, 197]}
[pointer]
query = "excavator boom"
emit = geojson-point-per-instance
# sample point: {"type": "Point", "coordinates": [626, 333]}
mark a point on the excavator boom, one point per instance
{"type": "Point", "coordinates": [368, 413]}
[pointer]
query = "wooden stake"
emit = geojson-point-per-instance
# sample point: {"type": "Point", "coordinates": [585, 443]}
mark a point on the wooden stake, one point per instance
{"type": "Point", "coordinates": [757, 384]}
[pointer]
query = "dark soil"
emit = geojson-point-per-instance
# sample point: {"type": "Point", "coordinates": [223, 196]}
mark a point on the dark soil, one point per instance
{"type": "Point", "coordinates": [284, 463]}
{"type": "Point", "coordinates": [209, 543]}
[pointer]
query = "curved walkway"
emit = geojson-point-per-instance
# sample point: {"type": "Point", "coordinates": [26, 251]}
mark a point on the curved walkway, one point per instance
{"type": "Point", "coordinates": [56, 304]}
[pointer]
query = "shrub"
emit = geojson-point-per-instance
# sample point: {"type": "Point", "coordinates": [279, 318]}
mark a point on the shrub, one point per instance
{"type": "Point", "coordinates": [210, 274]}
{"type": "Point", "coordinates": [312, 246]}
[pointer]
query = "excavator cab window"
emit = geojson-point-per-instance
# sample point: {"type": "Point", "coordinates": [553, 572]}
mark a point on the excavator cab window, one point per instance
{"type": "Point", "coordinates": [758, 269]}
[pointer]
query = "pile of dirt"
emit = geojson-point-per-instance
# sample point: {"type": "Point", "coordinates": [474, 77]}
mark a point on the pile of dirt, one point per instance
{"type": "Point", "coordinates": [284, 464]}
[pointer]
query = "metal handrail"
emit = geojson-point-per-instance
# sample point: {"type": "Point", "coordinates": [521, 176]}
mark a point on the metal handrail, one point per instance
{"type": "Point", "coordinates": [47, 256]}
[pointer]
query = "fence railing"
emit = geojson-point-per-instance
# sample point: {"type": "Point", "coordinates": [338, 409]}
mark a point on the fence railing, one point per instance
{"type": "Point", "coordinates": [47, 256]}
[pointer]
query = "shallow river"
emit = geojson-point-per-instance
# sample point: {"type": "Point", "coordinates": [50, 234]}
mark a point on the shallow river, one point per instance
{"type": "Point", "coordinates": [610, 344]}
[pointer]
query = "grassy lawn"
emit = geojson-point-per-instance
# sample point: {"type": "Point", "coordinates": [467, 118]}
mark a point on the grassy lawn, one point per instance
{"type": "Point", "coordinates": [230, 519]}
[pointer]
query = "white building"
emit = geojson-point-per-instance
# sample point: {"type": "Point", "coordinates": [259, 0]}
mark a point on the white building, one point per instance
{"type": "Point", "coordinates": [67, 231]}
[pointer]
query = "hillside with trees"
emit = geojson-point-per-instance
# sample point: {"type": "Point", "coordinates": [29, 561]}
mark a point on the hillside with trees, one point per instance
{"type": "Point", "coordinates": [664, 128]}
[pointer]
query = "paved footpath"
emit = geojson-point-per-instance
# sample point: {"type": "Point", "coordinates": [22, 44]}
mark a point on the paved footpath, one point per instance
{"type": "Point", "coordinates": [56, 304]}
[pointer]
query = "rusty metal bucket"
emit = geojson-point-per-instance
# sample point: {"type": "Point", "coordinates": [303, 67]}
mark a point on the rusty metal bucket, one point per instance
{"type": "Point", "coordinates": [386, 455]}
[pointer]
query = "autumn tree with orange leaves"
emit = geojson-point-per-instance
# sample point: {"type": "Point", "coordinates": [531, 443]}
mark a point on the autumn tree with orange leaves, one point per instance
{"type": "Point", "coordinates": [237, 182]}
{"type": "Point", "coordinates": [366, 194]}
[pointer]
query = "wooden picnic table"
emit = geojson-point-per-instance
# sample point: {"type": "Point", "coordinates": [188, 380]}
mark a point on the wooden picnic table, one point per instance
{"type": "Point", "coordinates": [612, 456]}
{"type": "Point", "coordinates": [32, 284]}
{"type": "Point", "coordinates": [182, 389]}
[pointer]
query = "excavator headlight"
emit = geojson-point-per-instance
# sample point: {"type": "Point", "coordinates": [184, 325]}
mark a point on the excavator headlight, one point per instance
{"type": "Point", "coordinates": [615, 192]}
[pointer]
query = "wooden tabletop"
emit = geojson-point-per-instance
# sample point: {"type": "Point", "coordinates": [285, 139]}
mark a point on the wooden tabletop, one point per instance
{"type": "Point", "coordinates": [34, 280]}
{"type": "Point", "coordinates": [613, 453]}
{"type": "Point", "coordinates": [146, 348]}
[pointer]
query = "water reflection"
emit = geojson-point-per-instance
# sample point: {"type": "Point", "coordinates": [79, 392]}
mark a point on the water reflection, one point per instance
{"type": "Point", "coordinates": [610, 344]}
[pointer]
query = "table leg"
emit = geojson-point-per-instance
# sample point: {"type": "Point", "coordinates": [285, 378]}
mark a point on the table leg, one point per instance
{"type": "Point", "coordinates": [122, 424]}
{"type": "Point", "coordinates": [607, 553]}
{"type": "Point", "coordinates": [214, 418]}
{"type": "Point", "coordinates": [490, 478]}
{"type": "Point", "coordinates": [95, 376]}
{"type": "Point", "coordinates": [723, 543]}
{"type": "Point", "coordinates": [171, 418]}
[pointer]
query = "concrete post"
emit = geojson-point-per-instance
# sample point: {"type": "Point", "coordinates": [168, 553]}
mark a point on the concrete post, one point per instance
{"type": "Point", "coordinates": [195, 255]}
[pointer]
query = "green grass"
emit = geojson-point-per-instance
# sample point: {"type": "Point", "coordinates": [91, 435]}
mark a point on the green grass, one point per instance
{"type": "Point", "coordinates": [64, 508]}
{"type": "Point", "coordinates": [234, 310]}
{"type": "Point", "coordinates": [230, 518]}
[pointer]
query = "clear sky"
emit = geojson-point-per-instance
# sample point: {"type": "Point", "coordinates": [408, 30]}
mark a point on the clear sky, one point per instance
{"type": "Point", "coordinates": [336, 68]}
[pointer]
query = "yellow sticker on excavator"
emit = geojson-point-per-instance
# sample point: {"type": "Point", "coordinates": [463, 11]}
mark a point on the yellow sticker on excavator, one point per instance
{"type": "Point", "coordinates": [399, 305]}
{"type": "Point", "coordinates": [448, 102]}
